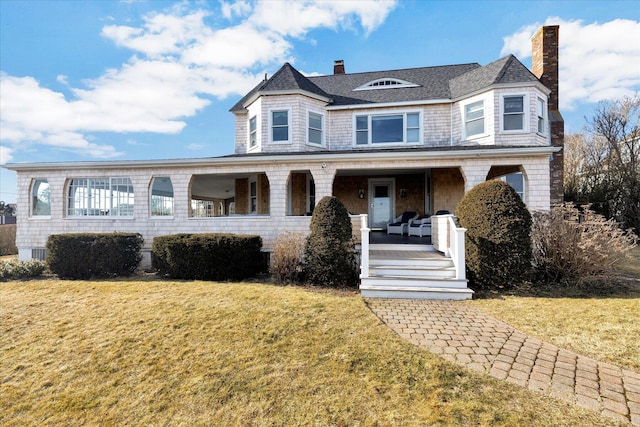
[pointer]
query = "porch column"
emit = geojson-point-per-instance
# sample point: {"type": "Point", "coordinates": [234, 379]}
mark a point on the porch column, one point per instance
{"type": "Point", "coordinates": [323, 175]}
{"type": "Point", "coordinates": [278, 188]}
{"type": "Point", "coordinates": [536, 183]}
{"type": "Point", "coordinates": [474, 172]}
{"type": "Point", "coordinates": [181, 186]}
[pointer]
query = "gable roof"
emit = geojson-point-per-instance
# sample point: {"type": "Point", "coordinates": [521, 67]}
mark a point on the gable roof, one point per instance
{"type": "Point", "coordinates": [447, 82]}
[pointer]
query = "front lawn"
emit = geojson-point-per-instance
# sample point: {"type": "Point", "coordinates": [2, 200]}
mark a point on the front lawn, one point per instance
{"type": "Point", "coordinates": [147, 352]}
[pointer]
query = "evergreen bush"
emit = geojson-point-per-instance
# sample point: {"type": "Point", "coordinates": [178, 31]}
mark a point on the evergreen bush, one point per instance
{"type": "Point", "coordinates": [15, 269]}
{"type": "Point", "coordinates": [329, 253]}
{"type": "Point", "coordinates": [498, 238]}
{"type": "Point", "coordinates": [208, 256]}
{"type": "Point", "coordinates": [93, 255]}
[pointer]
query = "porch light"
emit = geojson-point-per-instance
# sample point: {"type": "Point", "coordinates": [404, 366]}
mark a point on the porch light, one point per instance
{"type": "Point", "coordinates": [361, 194]}
{"type": "Point", "coordinates": [403, 193]}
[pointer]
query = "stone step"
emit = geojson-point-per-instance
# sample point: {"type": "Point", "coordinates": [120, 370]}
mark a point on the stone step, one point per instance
{"type": "Point", "coordinates": [412, 292]}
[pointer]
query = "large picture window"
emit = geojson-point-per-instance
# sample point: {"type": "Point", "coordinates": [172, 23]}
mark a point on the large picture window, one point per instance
{"type": "Point", "coordinates": [513, 113]}
{"type": "Point", "coordinates": [387, 128]}
{"type": "Point", "coordinates": [474, 119]}
{"type": "Point", "coordinates": [40, 198]}
{"type": "Point", "coordinates": [111, 197]}
{"type": "Point", "coordinates": [162, 196]}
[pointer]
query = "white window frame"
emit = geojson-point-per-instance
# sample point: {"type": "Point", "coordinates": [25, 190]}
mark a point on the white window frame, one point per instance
{"type": "Point", "coordinates": [541, 110]}
{"type": "Point", "coordinates": [33, 199]}
{"type": "Point", "coordinates": [386, 83]}
{"type": "Point", "coordinates": [165, 200]}
{"type": "Point", "coordinates": [289, 127]}
{"type": "Point", "coordinates": [465, 121]}
{"type": "Point", "coordinates": [405, 128]}
{"type": "Point", "coordinates": [525, 113]}
{"type": "Point", "coordinates": [252, 134]}
{"type": "Point", "coordinates": [322, 128]}
{"type": "Point", "coordinates": [253, 208]}
{"type": "Point", "coordinates": [107, 211]}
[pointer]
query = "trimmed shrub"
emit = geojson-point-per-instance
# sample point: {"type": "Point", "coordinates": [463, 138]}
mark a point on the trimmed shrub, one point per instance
{"type": "Point", "coordinates": [8, 239]}
{"type": "Point", "coordinates": [287, 258]}
{"type": "Point", "coordinates": [571, 244]}
{"type": "Point", "coordinates": [93, 255]}
{"type": "Point", "coordinates": [15, 269]}
{"type": "Point", "coordinates": [207, 256]}
{"type": "Point", "coordinates": [498, 239]}
{"type": "Point", "coordinates": [329, 252]}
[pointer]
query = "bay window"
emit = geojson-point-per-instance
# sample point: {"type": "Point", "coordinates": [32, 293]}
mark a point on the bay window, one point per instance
{"type": "Point", "coordinates": [513, 117]}
{"type": "Point", "coordinates": [474, 118]}
{"type": "Point", "coordinates": [280, 126]}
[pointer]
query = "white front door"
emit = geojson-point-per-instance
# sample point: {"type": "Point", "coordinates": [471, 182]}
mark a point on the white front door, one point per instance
{"type": "Point", "coordinates": [381, 202]}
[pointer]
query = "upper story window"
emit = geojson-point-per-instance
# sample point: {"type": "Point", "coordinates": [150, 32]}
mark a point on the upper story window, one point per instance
{"type": "Point", "coordinates": [315, 128]}
{"type": "Point", "coordinates": [513, 114]}
{"type": "Point", "coordinates": [541, 107]}
{"type": "Point", "coordinates": [100, 197]}
{"type": "Point", "coordinates": [253, 132]}
{"type": "Point", "coordinates": [386, 83]}
{"type": "Point", "coordinates": [474, 119]}
{"type": "Point", "coordinates": [162, 196]}
{"type": "Point", "coordinates": [387, 128]}
{"type": "Point", "coordinates": [280, 126]}
{"type": "Point", "coordinates": [40, 198]}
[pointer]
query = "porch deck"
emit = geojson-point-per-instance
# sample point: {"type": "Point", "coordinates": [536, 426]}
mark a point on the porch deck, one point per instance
{"type": "Point", "coordinates": [380, 237]}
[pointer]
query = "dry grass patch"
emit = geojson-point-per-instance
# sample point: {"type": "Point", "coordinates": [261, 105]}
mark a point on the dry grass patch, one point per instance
{"type": "Point", "coordinates": [198, 353]}
{"type": "Point", "coordinates": [599, 320]}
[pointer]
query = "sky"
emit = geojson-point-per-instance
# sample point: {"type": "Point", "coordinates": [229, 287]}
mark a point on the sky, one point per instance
{"type": "Point", "coordinates": [136, 79]}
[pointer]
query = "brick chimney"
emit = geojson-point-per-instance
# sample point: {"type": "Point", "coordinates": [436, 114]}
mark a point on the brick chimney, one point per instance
{"type": "Point", "coordinates": [544, 62]}
{"type": "Point", "coordinates": [338, 66]}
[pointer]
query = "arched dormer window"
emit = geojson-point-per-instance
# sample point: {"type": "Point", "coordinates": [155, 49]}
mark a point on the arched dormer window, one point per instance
{"type": "Point", "coordinates": [386, 83]}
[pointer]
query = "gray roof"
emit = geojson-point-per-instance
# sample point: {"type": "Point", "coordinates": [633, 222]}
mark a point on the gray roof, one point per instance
{"type": "Point", "coordinates": [432, 83]}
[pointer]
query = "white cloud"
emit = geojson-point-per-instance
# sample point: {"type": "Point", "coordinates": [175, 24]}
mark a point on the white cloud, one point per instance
{"type": "Point", "coordinates": [597, 61]}
{"type": "Point", "coordinates": [5, 154]}
{"type": "Point", "coordinates": [180, 62]}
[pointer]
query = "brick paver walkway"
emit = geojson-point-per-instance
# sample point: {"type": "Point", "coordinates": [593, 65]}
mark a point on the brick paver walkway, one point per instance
{"type": "Point", "coordinates": [465, 335]}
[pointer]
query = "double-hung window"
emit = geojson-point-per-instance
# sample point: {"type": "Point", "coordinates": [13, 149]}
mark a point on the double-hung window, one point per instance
{"type": "Point", "coordinates": [280, 126]}
{"type": "Point", "coordinates": [100, 197]}
{"type": "Point", "coordinates": [396, 128]}
{"type": "Point", "coordinates": [253, 197]}
{"type": "Point", "coordinates": [474, 119]}
{"type": "Point", "coordinates": [513, 118]}
{"type": "Point", "coordinates": [253, 132]}
{"type": "Point", "coordinates": [315, 129]}
{"type": "Point", "coordinates": [542, 109]}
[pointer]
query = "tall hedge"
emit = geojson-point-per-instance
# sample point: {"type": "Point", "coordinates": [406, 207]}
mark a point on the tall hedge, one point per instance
{"type": "Point", "coordinates": [208, 256]}
{"type": "Point", "coordinates": [498, 239]}
{"type": "Point", "coordinates": [329, 251]}
{"type": "Point", "coordinates": [93, 255]}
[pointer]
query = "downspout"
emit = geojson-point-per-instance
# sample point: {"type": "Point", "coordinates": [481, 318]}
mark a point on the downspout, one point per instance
{"type": "Point", "coordinates": [451, 126]}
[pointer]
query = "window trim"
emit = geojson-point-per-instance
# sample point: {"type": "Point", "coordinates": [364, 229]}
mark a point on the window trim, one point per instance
{"type": "Point", "coordinates": [109, 198]}
{"type": "Point", "coordinates": [173, 198]}
{"type": "Point", "coordinates": [253, 180]}
{"type": "Point", "coordinates": [405, 128]}
{"type": "Point", "coordinates": [541, 103]}
{"type": "Point", "coordinates": [525, 112]}
{"type": "Point", "coordinates": [253, 133]}
{"type": "Point", "coordinates": [32, 210]}
{"type": "Point", "coordinates": [289, 127]}
{"type": "Point", "coordinates": [465, 121]}
{"type": "Point", "coordinates": [322, 129]}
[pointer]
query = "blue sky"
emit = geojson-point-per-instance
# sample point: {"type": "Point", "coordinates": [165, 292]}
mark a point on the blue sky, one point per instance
{"type": "Point", "coordinates": [116, 80]}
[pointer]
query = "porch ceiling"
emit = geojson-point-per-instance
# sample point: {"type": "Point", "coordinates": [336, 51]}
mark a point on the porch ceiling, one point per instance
{"type": "Point", "coordinates": [378, 172]}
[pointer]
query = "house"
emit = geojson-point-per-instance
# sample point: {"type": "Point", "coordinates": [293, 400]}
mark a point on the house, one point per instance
{"type": "Point", "coordinates": [383, 142]}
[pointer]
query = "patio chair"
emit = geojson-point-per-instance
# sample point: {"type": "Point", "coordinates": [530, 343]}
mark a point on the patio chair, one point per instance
{"type": "Point", "coordinates": [400, 223]}
{"type": "Point", "coordinates": [419, 227]}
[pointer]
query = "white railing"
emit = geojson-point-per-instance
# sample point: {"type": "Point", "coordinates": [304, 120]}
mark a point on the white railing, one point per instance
{"type": "Point", "coordinates": [448, 238]}
{"type": "Point", "coordinates": [364, 246]}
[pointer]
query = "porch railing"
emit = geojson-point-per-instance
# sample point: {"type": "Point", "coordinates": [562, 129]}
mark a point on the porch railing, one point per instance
{"type": "Point", "coordinates": [448, 238]}
{"type": "Point", "coordinates": [364, 246]}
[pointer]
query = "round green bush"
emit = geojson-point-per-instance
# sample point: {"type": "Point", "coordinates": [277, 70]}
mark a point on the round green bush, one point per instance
{"type": "Point", "coordinates": [498, 238]}
{"type": "Point", "coordinates": [329, 251]}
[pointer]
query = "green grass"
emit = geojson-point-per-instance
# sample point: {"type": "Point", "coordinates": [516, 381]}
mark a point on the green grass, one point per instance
{"type": "Point", "coordinates": [136, 352]}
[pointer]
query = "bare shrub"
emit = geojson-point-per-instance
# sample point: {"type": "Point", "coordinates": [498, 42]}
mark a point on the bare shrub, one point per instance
{"type": "Point", "coordinates": [570, 244]}
{"type": "Point", "coordinates": [287, 256]}
{"type": "Point", "coordinates": [8, 239]}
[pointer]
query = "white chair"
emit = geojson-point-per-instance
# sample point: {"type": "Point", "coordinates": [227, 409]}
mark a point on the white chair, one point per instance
{"type": "Point", "coordinates": [400, 223]}
{"type": "Point", "coordinates": [419, 227]}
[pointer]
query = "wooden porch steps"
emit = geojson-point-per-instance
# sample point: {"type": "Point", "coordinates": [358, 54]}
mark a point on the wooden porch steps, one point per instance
{"type": "Point", "coordinates": [411, 271]}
